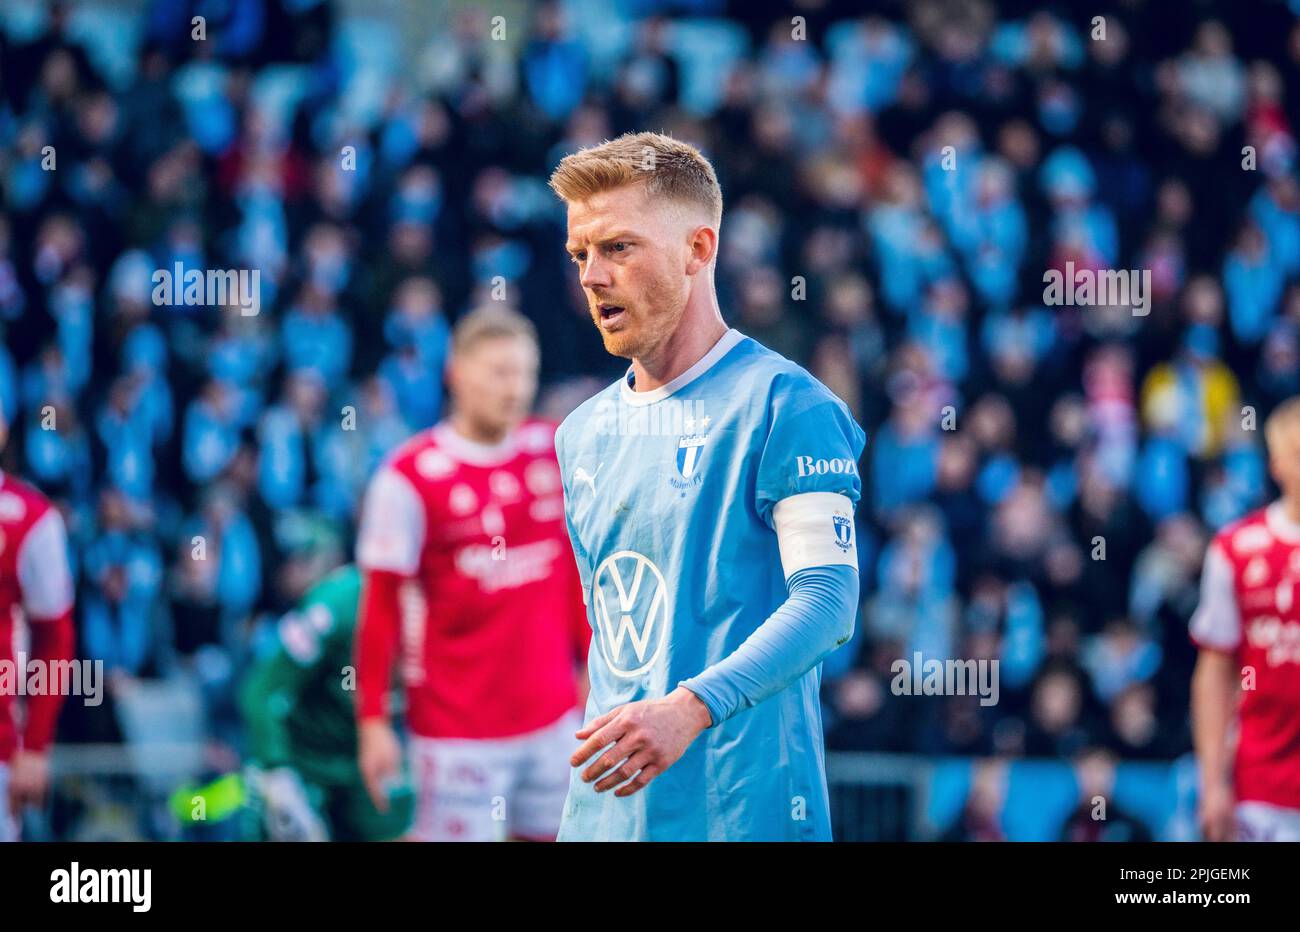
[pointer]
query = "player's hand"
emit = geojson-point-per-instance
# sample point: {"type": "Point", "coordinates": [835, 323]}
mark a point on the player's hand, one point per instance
{"type": "Point", "coordinates": [647, 737]}
{"type": "Point", "coordinates": [29, 779]}
{"type": "Point", "coordinates": [380, 758]}
{"type": "Point", "coordinates": [289, 814]}
{"type": "Point", "coordinates": [1216, 814]}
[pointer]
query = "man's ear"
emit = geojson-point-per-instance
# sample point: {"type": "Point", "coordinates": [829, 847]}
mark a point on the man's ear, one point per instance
{"type": "Point", "coordinates": [703, 246]}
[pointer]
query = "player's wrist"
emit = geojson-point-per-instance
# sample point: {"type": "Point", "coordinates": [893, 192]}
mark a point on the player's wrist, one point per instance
{"type": "Point", "coordinates": [1219, 787]}
{"type": "Point", "coordinates": [694, 706]}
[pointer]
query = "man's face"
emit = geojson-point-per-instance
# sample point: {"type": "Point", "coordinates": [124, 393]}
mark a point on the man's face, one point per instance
{"type": "Point", "coordinates": [632, 254]}
{"type": "Point", "coordinates": [1284, 459]}
{"type": "Point", "coordinates": [495, 381]}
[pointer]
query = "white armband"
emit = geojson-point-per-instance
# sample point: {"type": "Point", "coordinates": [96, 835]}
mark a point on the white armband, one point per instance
{"type": "Point", "coordinates": [815, 529]}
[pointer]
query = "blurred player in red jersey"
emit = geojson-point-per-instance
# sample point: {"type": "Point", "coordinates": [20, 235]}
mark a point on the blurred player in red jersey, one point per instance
{"type": "Point", "coordinates": [468, 570]}
{"type": "Point", "coordinates": [1248, 630]}
{"type": "Point", "coordinates": [36, 587]}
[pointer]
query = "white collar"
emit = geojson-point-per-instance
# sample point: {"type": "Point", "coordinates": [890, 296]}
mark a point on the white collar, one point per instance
{"type": "Point", "coordinates": [1282, 526]}
{"type": "Point", "coordinates": [703, 365]}
{"type": "Point", "coordinates": [472, 452]}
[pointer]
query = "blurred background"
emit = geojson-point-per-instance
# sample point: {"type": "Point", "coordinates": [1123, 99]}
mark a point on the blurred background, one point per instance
{"type": "Point", "coordinates": [847, 246]}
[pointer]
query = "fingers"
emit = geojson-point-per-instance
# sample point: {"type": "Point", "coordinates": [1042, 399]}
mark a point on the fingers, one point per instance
{"type": "Point", "coordinates": [640, 781]}
{"type": "Point", "coordinates": [1218, 826]}
{"type": "Point", "coordinates": [623, 748]}
{"type": "Point", "coordinates": [626, 742]}
{"type": "Point", "coordinates": [374, 773]}
{"type": "Point", "coordinates": [379, 758]}
{"type": "Point", "coordinates": [607, 734]}
{"type": "Point", "coordinates": [625, 772]}
{"type": "Point", "coordinates": [587, 730]}
{"type": "Point", "coordinates": [25, 790]}
{"type": "Point", "coordinates": [377, 796]}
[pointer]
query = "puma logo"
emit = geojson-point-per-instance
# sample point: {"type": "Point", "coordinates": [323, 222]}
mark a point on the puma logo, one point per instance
{"type": "Point", "coordinates": [581, 475]}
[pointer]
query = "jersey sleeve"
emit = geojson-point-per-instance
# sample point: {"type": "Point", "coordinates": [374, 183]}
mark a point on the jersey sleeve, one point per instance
{"type": "Point", "coordinates": [390, 536]}
{"type": "Point", "coordinates": [1216, 623]}
{"type": "Point", "coordinates": [812, 445]}
{"type": "Point", "coordinates": [43, 573]}
{"type": "Point", "coordinates": [579, 554]}
{"type": "Point", "coordinates": [816, 618]}
{"type": "Point", "coordinates": [304, 633]}
{"type": "Point", "coordinates": [579, 626]}
{"type": "Point", "coordinates": [376, 643]}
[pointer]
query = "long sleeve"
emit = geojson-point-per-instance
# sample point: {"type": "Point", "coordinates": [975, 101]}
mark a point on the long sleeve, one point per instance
{"type": "Point", "coordinates": [52, 643]}
{"type": "Point", "coordinates": [813, 522]}
{"type": "Point", "coordinates": [389, 542]}
{"type": "Point", "coordinates": [817, 617]}
{"type": "Point", "coordinates": [378, 629]}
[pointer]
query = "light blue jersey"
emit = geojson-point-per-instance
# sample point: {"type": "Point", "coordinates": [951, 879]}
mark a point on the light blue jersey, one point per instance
{"type": "Point", "coordinates": [669, 496]}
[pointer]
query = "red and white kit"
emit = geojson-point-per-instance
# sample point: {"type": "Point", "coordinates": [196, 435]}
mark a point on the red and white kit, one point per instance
{"type": "Point", "coordinates": [35, 599]}
{"type": "Point", "coordinates": [1250, 608]}
{"type": "Point", "coordinates": [470, 574]}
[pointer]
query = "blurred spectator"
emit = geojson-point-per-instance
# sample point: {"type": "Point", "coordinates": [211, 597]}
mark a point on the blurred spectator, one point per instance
{"type": "Point", "coordinates": [981, 818]}
{"type": "Point", "coordinates": [123, 573]}
{"type": "Point", "coordinates": [1097, 817]}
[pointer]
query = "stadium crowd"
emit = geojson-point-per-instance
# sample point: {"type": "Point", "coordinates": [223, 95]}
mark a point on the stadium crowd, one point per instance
{"type": "Point", "coordinates": [1039, 482]}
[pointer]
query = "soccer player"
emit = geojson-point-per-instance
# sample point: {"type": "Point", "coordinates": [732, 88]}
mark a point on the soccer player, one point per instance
{"type": "Point", "coordinates": [298, 704]}
{"type": "Point", "coordinates": [464, 550]}
{"type": "Point", "coordinates": [1247, 627]}
{"type": "Point", "coordinates": [709, 495]}
{"type": "Point", "coordinates": [35, 581]}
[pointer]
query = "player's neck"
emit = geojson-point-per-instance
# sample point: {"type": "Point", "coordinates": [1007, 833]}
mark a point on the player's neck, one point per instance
{"type": "Point", "coordinates": [686, 346]}
{"type": "Point", "coordinates": [466, 429]}
{"type": "Point", "coordinates": [1291, 508]}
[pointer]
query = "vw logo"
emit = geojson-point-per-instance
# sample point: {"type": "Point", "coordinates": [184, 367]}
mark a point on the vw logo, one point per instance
{"type": "Point", "coordinates": [633, 606]}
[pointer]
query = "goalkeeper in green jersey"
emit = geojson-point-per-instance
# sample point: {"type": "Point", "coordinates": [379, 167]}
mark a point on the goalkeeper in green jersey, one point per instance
{"type": "Point", "coordinates": [298, 705]}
